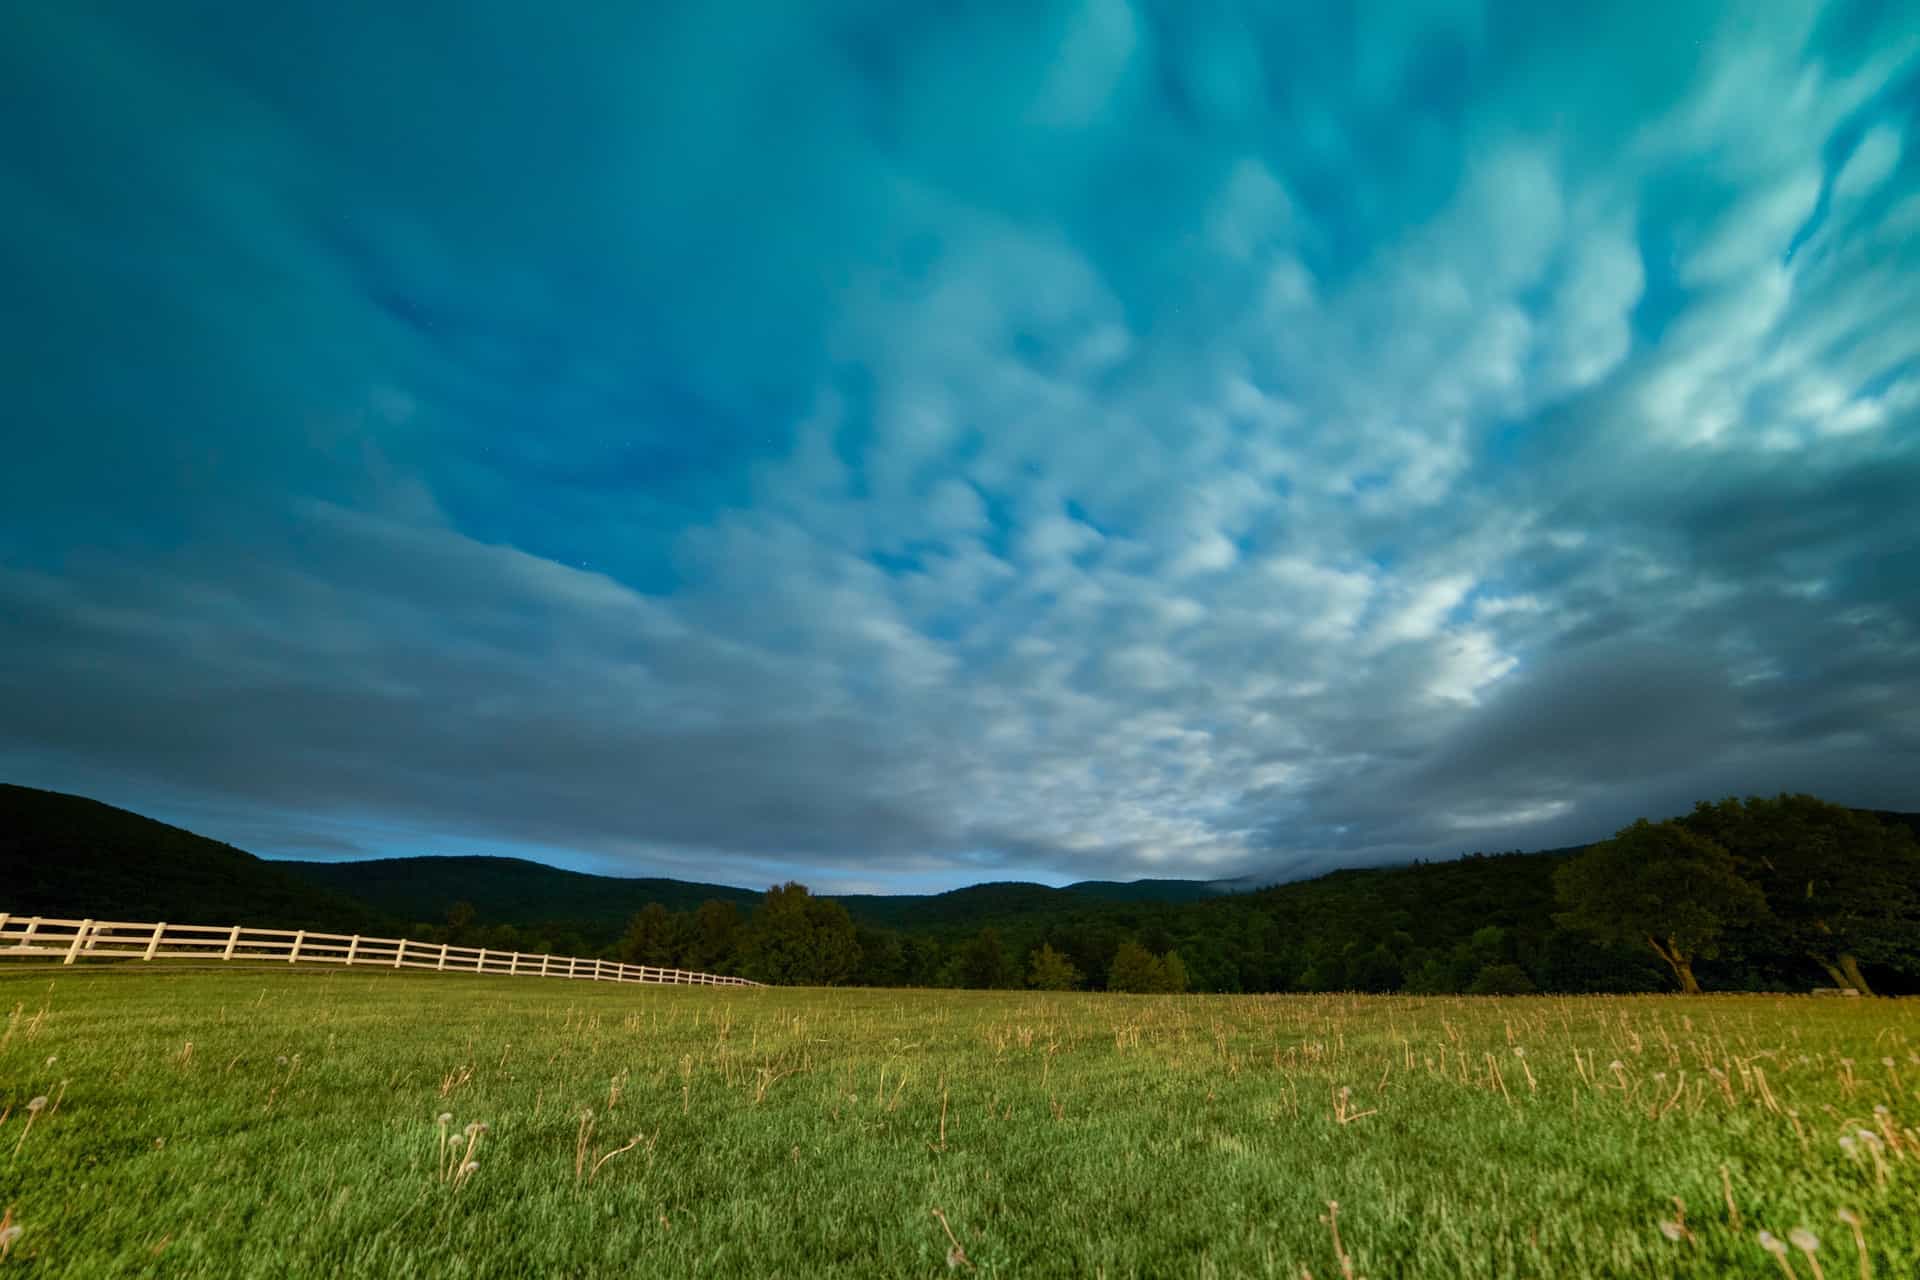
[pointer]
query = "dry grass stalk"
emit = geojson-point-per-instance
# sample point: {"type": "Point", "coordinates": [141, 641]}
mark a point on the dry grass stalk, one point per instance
{"type": "Point", "coordinates": [580, 1142]}
{"type": "Point", "coordinates": [956, 1256]}
{"type": "Point", "coordinates": [1345, 1259]}
{"type": "Point", "coordinates": [617, 1151]}
{"type": "Point", "coordinates": [1726, 1187]}
{"type": "Point", "coordinates": [34, 1107]}
{"type": "Point", "coordinates": [1852, 1221]}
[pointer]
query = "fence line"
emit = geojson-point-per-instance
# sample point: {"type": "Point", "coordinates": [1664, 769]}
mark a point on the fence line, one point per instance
{"type": "Point", "coordinates": [45, 936]}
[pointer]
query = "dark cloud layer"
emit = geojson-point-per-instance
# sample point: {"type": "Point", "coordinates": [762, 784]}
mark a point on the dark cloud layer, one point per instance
{"type": "Point", "coordinates": [900, 448]}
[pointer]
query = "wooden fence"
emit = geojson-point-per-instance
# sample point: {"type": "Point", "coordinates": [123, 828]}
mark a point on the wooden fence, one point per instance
{"type": "Point", "coordinates": [72, 939]}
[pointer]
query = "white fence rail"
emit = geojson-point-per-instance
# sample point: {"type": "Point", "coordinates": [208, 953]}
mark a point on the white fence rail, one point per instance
{"type": "Point", "coordinates": [72, 939]}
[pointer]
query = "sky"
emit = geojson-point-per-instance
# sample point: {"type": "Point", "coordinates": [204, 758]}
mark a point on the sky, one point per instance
{"type": "Point", "coordinates": [898, 445]}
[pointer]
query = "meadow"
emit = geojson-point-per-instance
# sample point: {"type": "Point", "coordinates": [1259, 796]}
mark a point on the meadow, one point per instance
{"type": "Point", "coordinates": [285, 1122]}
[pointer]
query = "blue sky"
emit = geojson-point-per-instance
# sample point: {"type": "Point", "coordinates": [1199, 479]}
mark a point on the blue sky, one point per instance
{"type": "Point", "coordinates": [905, 445]}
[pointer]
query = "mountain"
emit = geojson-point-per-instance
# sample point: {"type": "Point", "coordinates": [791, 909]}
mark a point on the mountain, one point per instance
{"type": "Point", "coordinates": [62, 855]}
{"type": "Point", "coordinates": [505, 890]}
{"type": "Point", "coordinates": [515, 891]}
{"type": "Point", "coordinates": [66, 856]}
{"type": "Point", "coordinates": [1434, 927]}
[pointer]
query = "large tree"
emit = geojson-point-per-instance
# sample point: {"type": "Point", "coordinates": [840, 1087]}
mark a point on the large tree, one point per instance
{"type": "Point", "coordinates": [983, 962]}
{"type": "Point", "coordinates": [1660, 883]}
{"type": "Point", "coordinates": [713, 935]}
{"type": "Point", "coordinates": [1842, 887]}
{"type": "Point", "coordinates": [652, 938]}
{"type": "Point", "coordinates": [797, 939]}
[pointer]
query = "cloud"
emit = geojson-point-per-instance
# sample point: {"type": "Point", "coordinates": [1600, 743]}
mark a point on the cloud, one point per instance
{"type": "Point", "coordinates": [1099, 440]}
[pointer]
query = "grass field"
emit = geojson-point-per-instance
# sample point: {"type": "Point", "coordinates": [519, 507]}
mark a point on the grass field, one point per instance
{"type": "Point", "coordinates": [272, 1122]}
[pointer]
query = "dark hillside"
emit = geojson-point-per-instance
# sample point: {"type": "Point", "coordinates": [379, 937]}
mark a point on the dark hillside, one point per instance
{"type": "Point", "coordinates": [63, 855]}
{"type": "Point", "coordinates": [507, 890]}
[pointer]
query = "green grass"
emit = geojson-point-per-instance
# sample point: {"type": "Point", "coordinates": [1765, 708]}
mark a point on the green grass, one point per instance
{"type": "Point", "coordinates": [798, 1133]}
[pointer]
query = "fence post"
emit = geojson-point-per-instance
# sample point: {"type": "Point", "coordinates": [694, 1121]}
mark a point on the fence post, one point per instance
{"type": "Point", "coordinates": [573, 962]}
{"type": "Point", "coordinates": [233, 936]}
{"type": "Point", "coordinates": [443, 957]}
{"type": "Point", "coordinates": [513, 963]}
{"type": "Point", "coordinates": [298, 938]}
{"type": "Point", "coordinates": [596, 968]}
{"type": "Point", "coordinates": [400, 953]}
{"type": "Point", "coordinates": [480, 965]}
{"type": "Point", "coordinates": [543, 964]}
{"type": "Point", "coordinates": [80, 936]}
{"type": "Point", "coordinates": [353, 948]}
{"type": "Point", "coordinates": [153, 943]}
{"type": "Point", "coordinates": [33, 927]}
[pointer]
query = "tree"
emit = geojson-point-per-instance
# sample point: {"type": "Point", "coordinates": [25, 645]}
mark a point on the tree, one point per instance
{"type": "Point", "coordinates": [882, 958]}
{"type": "Point", "coordinates": [983, 964]}
{"type": "Point", "coordinates": [1048, 970]}
{"type": "Point", "coordinates": [797, 939]}
{"type": "Point", "coordinates": [652, 938]}
{"type": "Point", "coordinates": [459, 920]}
{"type": "Point", "coordinates": [1502, 980]}
{"type": "Point", "coordinates": [1134, 968]}
{"type": "Point", "coordinates": [713, 936]}
{"type": "Point", "coordinates": [1841, 885]}
{"type": "Point", "coordinates": [1173, 973]}
{"type": "Point", "coordinates": [1377, 970]}
{"type": "Point", "coordinates": [1662, 884]}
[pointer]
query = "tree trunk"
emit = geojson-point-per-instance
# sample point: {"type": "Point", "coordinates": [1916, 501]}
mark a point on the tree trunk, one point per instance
{"type": "Point", "coordinates": [1833, 971]}
{"type": "Point", "coordinates": [1851, 967]}
{"type": "Point", "coordinates": [1682, 966]}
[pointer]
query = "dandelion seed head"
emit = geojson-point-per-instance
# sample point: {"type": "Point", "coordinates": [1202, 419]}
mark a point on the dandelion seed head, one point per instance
{"type": "Point", "coordinates": [1804, 1240]}
{"type": "Point", "coordinates": [1886, 1062]}
{"type": "Point", "coordinates": [1848, 1216]}
{"type": "Point", "coordinates": [1847, 1144]}
{"type": "Point", "coordinates": [1881, 1110]}
{"type": "Point", "coordinates": [1672, 1231]}
{"type": "Point", "coordinates": [470, 1166]}
{"type": "Point", "coordinates": [37, 1103]}
{"type": "Point", "coordinates": [8, 1236]}
{"type": "Point", "coordinates": [1519, 1052]}
{"type": "Point", "coordinates": [444, 1119]}
{"type": "Point", "coordinates": [280, 1061]}
{"type": "Point", "coordinates": [1771, 1243]}
{"type": "Point", "coordinates": [1616, 1065]}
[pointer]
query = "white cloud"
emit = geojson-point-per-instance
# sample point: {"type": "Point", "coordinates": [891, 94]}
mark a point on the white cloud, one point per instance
{"type": "Point", "coordinates": [1870, 163]}
{"type": "Point", "coordinates": [1090, 63]}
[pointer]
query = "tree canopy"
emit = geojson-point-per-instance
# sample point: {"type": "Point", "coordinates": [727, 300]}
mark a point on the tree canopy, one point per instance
{"type": "Point", "coordinates": [1840, 885]}
{"type": "Point", "coordinates": [1663, 883]}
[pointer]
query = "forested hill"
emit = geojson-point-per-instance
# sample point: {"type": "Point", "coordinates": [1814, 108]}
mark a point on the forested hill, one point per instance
{"type": "Point", "coordinates": [1484, 922]}
{"type": "Point", "coordinates": [515, 891]}
{"type": "Point", "coordinates": [64, 855]}
{"type": "Point", "coordinates": [505, 890]}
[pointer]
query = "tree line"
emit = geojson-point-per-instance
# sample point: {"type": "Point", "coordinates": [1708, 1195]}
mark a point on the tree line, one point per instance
{"type": "Point", "coordinates": [1754, 894]}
